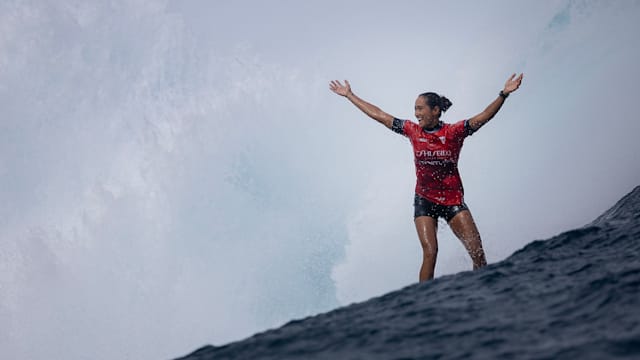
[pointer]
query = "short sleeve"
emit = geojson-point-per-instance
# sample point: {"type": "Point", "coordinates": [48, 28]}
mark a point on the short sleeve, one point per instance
{"type": "Point", "coordinates": [468, 128]}
{"type": "Point", "coordinates": [398, 126]}
{"type": "Point", "coordinates": [405, 127]}
{"type": "Point", "coordinates": [462, 129]}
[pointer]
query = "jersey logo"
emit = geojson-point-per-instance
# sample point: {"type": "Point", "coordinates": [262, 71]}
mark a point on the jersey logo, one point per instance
{"type": "Point", "coordinates": [443, 138]}
{"type": "Point", "coordinates": [422, 140]}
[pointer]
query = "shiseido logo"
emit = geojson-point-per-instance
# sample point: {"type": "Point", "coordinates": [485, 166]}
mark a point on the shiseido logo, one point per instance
{"type": "Point", "coordinates": [435, 153]}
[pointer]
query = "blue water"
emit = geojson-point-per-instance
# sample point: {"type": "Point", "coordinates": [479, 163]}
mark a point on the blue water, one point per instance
{"type": "Point", "coordinates": [574, 296]}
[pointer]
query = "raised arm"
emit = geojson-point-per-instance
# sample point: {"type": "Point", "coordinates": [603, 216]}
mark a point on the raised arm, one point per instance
{"type": "Point", "coordinates": [371, 110]}
{"type": "Point", "coordinates": [510, 86]}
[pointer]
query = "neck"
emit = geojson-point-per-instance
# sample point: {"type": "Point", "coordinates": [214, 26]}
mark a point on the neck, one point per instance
{"type": "Point", "coordinates": [432, 126]}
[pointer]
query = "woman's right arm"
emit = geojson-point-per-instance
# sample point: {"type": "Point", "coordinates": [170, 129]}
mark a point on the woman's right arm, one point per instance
{"type": "Point", "coordinates": [371, 110]}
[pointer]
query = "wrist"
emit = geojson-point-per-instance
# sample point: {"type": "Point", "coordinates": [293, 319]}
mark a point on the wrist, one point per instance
{"type": "Point", "coordinates": [504, 94]}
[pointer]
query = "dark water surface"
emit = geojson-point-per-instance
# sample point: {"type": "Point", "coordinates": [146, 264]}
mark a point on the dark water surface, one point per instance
{"type": "Point", "coordinates": [574, 296]}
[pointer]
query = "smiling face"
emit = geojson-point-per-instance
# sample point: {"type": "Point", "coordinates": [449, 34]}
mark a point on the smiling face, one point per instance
{"type": "Point", "coordinates": [427, 117]}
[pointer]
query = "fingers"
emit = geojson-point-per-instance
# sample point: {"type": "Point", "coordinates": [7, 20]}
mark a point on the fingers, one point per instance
{"type": "Point", "coordinates": [334, 85]}
{"type": "Point", "coordinates": [337, 87]}
{"type": "Point", "coordinates": [514, 81]}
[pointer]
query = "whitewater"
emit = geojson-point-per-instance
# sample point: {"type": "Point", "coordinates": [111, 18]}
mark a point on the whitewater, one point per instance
{"type": "Point", "coordinates": [573, 296]}
{"type": "Point", "coordinates": [177, 173]}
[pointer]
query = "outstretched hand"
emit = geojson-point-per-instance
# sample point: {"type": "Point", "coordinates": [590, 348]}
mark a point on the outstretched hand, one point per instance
{"type": "Point", "coordinates": [512, 84]}
{"type": "Point", "coordinates": [337, 87]}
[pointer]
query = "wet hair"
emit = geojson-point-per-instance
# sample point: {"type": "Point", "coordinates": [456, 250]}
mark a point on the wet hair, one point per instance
{"type": "Point", "coordinates": [432, 99]}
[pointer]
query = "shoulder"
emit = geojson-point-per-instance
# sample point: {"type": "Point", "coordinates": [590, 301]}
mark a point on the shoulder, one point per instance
{"type": "Point", "coordinates": [404, 127]}
{"type": "Point", "coordinates": [460, 128]}
{"type": "Point", "coordinates": [408, 124]}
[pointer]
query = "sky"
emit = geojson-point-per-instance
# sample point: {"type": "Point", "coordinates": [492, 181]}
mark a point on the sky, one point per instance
{"type": "Point", "coordinates": [177, 173]}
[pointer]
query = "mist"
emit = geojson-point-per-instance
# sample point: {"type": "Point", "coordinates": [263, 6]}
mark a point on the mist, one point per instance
{"type": "Point", "coordinates": [178, 173]}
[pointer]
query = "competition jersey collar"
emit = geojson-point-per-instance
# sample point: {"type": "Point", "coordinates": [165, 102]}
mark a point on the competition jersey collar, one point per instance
{"type": "Point", "coordinates": [430, 131]}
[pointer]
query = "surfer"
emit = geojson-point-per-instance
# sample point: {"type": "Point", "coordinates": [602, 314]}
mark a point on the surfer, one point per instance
{"type": "Point", "coordinates": [436, 146]}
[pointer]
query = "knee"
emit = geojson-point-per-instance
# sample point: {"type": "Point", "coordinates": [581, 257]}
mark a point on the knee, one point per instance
{"type": "Point", "coordinates": [430, 250]}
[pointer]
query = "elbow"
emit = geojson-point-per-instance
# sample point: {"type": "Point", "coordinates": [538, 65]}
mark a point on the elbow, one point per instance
{"type": "Point", "coordinates": [486, 117]}
{"type": "Point", "coordinates": [477, 122]}
{"type": "Point", "coordinates": [379, 115]}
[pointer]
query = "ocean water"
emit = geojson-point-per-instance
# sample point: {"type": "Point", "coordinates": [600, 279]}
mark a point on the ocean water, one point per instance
{"type": "Point", "coordinates": [177, 173]}
{"type": "Point", "coordinates": [573, 296]}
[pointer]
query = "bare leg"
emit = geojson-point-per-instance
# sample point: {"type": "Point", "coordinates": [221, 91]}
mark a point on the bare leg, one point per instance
{"type": "Point", "coordinates": [465, 229]}
{"type": "Point", "coordinates": [427, 228]}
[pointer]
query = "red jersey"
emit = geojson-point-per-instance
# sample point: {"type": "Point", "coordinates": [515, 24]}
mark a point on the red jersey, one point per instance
{"type": "Point", "coordinates": [436, 157]}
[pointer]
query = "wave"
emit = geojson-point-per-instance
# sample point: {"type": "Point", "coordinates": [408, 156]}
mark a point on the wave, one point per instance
{"type": "Point", "coordinates": [574, 295]}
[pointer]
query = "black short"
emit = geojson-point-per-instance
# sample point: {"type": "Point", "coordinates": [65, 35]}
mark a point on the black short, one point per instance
{"type": "Point", "coordinates": [424, 207]}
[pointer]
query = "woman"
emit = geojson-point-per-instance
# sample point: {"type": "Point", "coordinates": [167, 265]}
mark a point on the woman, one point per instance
{"type": "Point", "coordinates": [437, 145]}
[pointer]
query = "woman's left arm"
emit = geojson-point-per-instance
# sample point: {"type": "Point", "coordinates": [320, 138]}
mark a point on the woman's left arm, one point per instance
{"type": "Point", "coordinates": [510, 86]}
